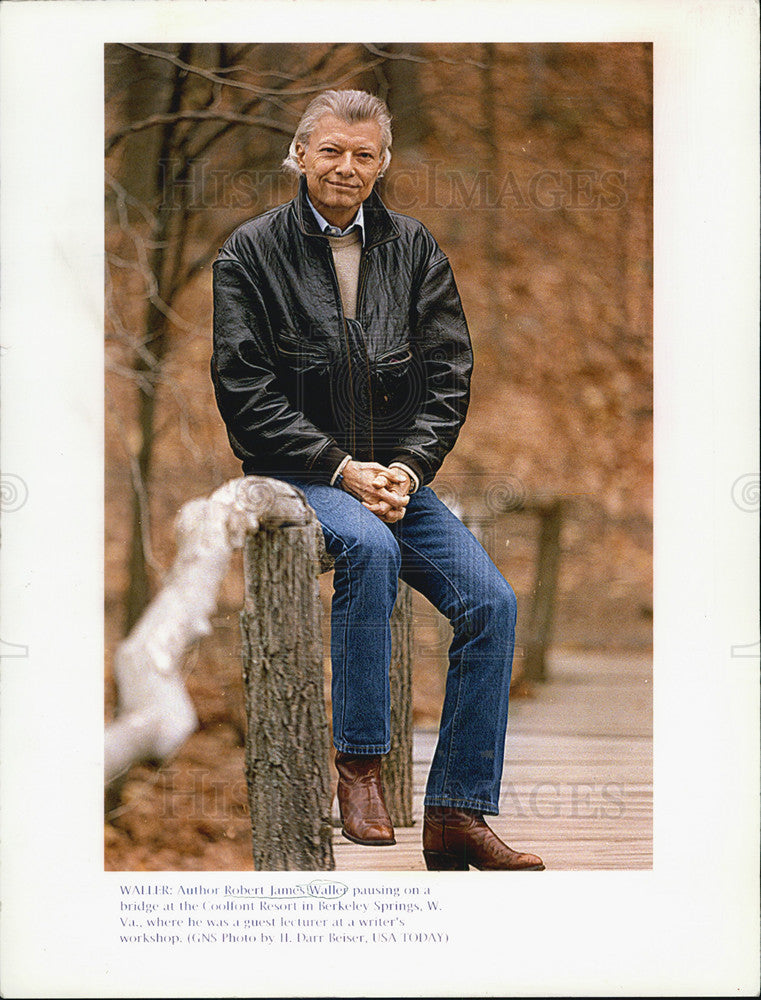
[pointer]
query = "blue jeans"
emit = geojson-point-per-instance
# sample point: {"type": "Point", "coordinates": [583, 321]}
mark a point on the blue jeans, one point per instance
{"type": "Point", "coordinates": [432, 551]}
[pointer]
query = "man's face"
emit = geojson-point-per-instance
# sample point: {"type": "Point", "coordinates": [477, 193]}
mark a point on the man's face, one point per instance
{"type": "Point", "coordinates": [341, 163]}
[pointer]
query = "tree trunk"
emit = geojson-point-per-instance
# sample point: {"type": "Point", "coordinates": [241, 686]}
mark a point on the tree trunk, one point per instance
{"type": "Point", "coordinates": [397, 767]}
{"type": "Point", "coordinates": [156, 332]}
{"type": "Point", "coordinates": [289, 792]}
{"type": "Point", "coordinates": [403, 94]}
{"type": "Point", "coordinates": [545, 587]}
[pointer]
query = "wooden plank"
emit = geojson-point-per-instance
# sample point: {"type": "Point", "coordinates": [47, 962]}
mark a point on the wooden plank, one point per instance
{"type": "Point", "coordinates": [578, 781]}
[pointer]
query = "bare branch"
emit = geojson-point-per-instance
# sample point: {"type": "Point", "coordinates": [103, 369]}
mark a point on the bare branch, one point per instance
{"type": "Point", "coordinates": [142, 245]}
{"type": "Point", "coordinates": [144, 379]}
{"type": "Point", "coordinates": [384, 54]}
{"type": "Point", "coordinates": [124, 198]}
{"type": "Point", "coordinates": [195, 268]}
{"type": "Point", "coordinates": [148, 381]}
{"type": "Point", "coordinates": [121, 332]}
{"type": "Point", "coordinates": [214, 77]}
{"type": "Point", "coordinates": [231, 117]}
{"type": "Point", "coordinates": [152, 295]}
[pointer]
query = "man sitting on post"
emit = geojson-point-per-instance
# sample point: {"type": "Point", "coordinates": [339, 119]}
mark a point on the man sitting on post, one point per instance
{"type": "Point", "coordinates": [342, 364]}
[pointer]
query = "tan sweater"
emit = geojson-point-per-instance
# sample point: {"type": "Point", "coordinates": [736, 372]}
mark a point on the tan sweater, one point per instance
{"type": "Point", "coordinates": [347, 251]}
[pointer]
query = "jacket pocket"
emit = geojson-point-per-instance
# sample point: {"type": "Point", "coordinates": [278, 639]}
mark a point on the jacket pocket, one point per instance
{"type": "Point", "coordinates": [302, 357]}
{"type": "Point", "coordinates": [397, 387]}
{"type": "Point", "coordinates": [391, 370]}
{"type": "Point", "coordinates": [394, 361]}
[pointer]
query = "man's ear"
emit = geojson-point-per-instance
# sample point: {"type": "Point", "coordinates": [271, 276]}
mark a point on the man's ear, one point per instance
{"type": "Point", "coordinates": [300, 150]}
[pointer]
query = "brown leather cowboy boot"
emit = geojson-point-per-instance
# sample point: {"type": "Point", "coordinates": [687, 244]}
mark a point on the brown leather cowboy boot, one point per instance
{"type": "Point", "coordinates": [360, 798]}
{"type": "Point", "coordinates": [454, 839]}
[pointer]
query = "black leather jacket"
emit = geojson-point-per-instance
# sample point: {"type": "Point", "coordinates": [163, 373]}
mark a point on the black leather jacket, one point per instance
{"type": "Point", "coordinates": [299, 385]}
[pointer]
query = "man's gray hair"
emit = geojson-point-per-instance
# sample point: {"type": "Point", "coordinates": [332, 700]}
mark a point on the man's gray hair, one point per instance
{"type": "Point", "coordinates": [349, 106]}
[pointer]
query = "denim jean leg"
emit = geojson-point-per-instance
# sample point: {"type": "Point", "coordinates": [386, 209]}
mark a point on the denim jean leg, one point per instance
{"type": "Point", "coordinates": [444, 561]}
{"type": "Point", "coordinates": [366, 573]}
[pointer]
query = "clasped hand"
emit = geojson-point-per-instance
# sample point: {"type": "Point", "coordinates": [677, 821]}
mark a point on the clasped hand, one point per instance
{"type": "Point", "coordinates": [381, 490]}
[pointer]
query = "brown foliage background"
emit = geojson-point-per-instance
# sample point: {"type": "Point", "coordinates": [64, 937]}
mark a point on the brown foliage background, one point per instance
{"type": "Point", "coordinates": [532, 166]}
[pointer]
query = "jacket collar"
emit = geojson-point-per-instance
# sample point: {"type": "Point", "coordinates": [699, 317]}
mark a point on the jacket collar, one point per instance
{"type": "Point", "coordinates": [379, 226]}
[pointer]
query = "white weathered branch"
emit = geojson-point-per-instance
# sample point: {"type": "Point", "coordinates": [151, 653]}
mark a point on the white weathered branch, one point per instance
{"type": "Point", "coordinates": [155, 714]}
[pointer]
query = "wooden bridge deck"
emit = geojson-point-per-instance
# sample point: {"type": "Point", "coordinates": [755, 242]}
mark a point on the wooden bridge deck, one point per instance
{"type": "Point", "coordinates": [578, 779]}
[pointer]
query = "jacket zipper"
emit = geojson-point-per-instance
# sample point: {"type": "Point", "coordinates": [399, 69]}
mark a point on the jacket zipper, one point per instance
{"type": "Point", "coordinates": [362, 276]}
{"type": "Point", "coordinates": [351, 386]}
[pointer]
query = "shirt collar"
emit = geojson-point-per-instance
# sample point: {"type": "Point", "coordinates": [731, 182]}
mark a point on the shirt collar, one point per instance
{"type": "Point", "coordinates": [359, 221]}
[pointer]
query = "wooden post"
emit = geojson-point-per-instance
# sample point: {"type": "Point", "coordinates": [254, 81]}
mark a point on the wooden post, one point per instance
{"type": "Point", "coordinates": [397, 767]}
{"type": "Point", "coordinates": [287, 743]}
{"type": "Point", "coordinates": [543, 605]}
